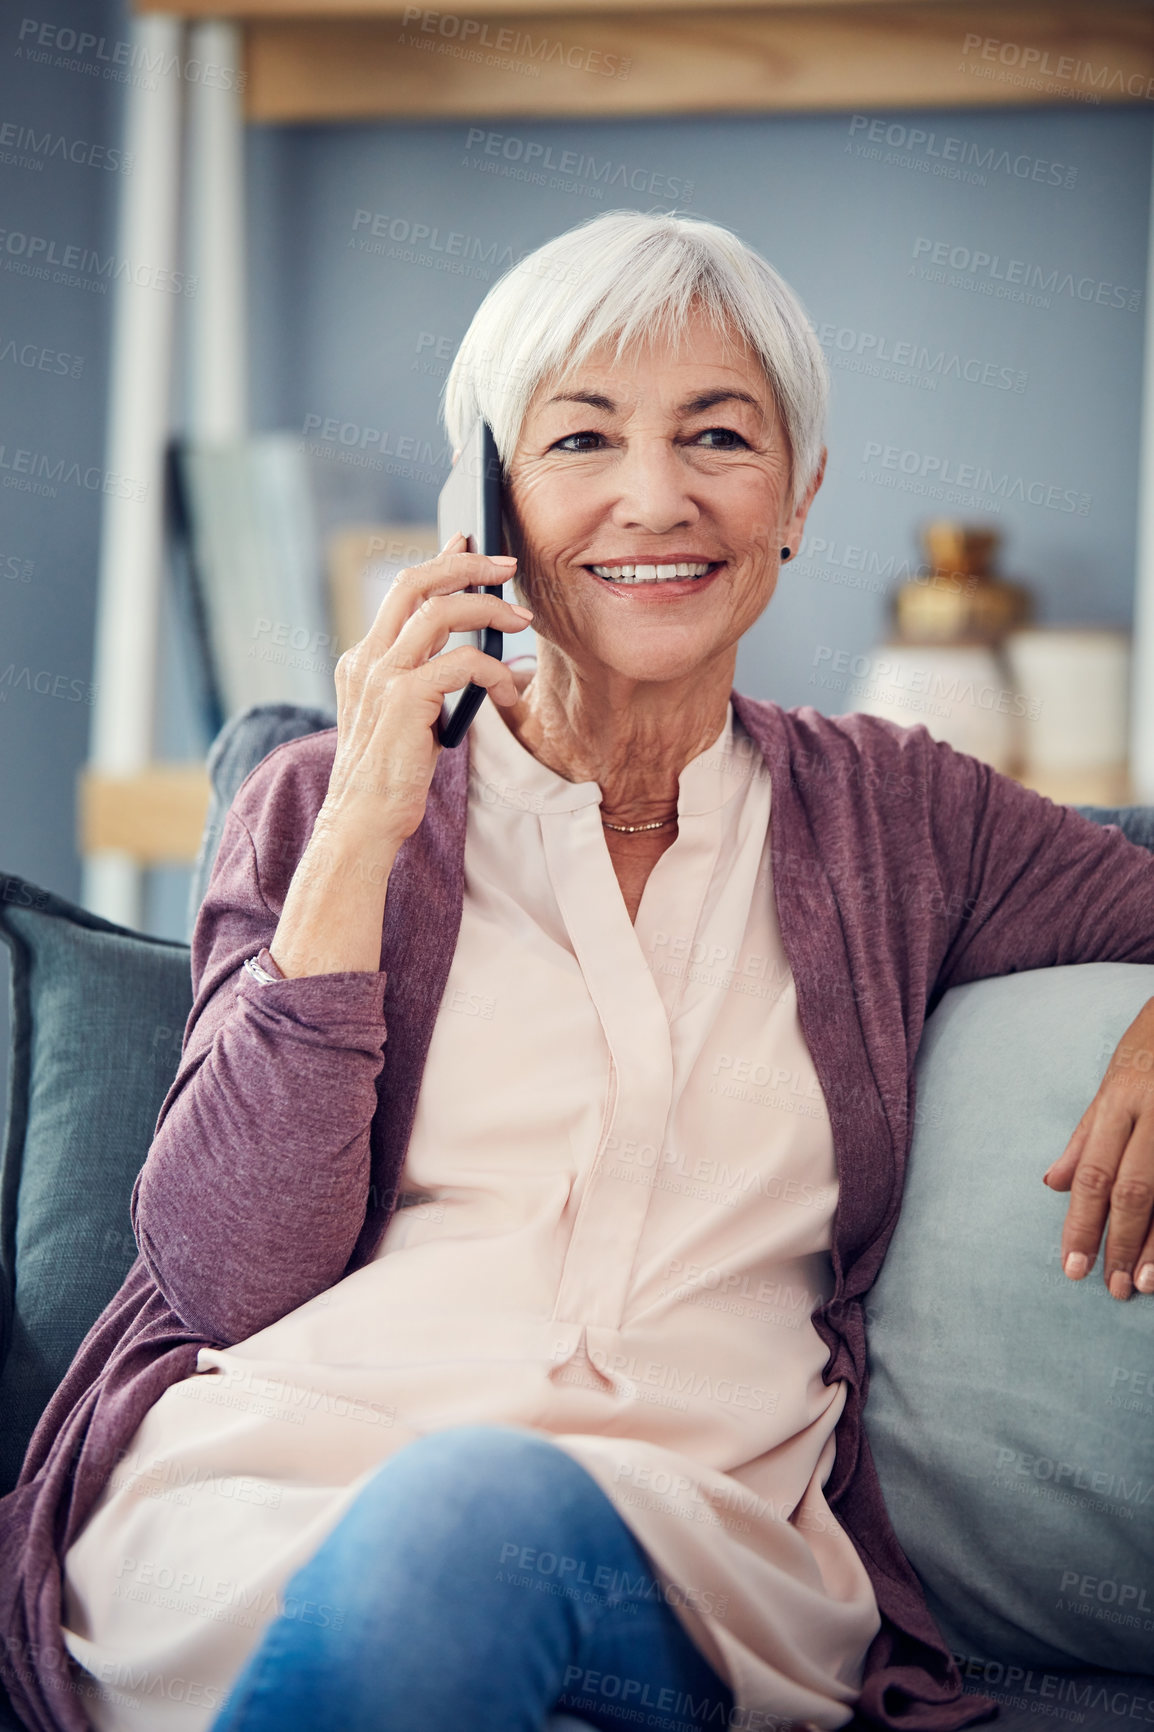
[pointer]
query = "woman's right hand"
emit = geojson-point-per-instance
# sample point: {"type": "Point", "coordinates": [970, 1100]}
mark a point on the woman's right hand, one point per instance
{"type": "Point", "coordinates": [390, 687]}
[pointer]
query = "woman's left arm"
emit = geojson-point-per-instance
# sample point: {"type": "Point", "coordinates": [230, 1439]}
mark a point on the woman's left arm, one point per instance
{"type": "Point", "coordinates": [1037, 885]}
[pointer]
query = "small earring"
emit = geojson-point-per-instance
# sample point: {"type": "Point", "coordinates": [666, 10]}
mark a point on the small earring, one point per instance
{"type": "Point", "coordinates": [786, 552]}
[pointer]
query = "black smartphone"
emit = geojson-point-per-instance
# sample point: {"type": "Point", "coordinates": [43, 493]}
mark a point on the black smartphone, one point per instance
{"type": "Point", "coordinates": [470, 501]}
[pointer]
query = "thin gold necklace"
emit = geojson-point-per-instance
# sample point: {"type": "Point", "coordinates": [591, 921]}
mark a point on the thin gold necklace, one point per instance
{"type": "Point", "coordinates": [630, 828]}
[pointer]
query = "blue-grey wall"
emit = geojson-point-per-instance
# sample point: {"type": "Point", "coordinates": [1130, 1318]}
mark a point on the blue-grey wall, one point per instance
{"type": "Point", "coordinates": [53, 374]}
{"type": "Point", "coordinates": [60, 125]}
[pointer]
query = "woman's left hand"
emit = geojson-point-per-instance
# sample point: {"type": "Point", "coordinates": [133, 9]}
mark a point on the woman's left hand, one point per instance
{"type": "Point", "coordinates": [1108, 1164]}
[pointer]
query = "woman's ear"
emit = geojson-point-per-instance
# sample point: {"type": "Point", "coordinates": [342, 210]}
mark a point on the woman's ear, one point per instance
{"type": "Point", "coordinates": [796, 527]}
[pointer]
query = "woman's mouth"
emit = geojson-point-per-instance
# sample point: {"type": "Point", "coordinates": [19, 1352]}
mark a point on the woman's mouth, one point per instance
{"type": "Point", "coordinates": [682, 573]}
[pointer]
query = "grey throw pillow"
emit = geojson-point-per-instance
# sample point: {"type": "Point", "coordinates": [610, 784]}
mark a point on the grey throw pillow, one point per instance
{"type": "Point", "coordinates": [1011, 1411]}
{"type": "Point", "coordinates": [98, 1017]}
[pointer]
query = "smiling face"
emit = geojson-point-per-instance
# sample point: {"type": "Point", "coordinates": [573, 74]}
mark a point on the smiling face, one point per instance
{"type": "Point", "coordinates": [674, 457]}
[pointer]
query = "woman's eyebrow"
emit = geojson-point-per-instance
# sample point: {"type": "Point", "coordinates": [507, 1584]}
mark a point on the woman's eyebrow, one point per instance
{"type": "Point", "coordinates": [710, 399]}
{"type": "Point", "coordinates": [692, 406]}
{"type": "Point", "coordinates": [592, 398]}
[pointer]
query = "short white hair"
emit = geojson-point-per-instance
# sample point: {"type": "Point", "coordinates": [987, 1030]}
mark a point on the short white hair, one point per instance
{"type": "Point", "coordinates": [628, 275]}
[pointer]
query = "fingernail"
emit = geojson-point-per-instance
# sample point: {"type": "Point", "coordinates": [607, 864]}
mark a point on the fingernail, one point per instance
{"type": "Point", "coordinates": [525, 612]}
{"type": "Point", "coordinates": [503, 558]}
{"type": "Point", "coordinates": [1076, 1265]}
{"type": "Point", "coordinates": [1145, 1281]}
{"type": "Point", "coordinates": [1121, 1285]}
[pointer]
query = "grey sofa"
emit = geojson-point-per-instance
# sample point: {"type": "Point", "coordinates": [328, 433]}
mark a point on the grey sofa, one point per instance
{"type": "Point", "coordinates": [84, 1094]}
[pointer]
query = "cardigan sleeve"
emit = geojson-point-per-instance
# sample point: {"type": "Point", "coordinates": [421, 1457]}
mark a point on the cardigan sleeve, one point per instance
{"type": "Point", "coordinates": [256, 1184]}
{"type": "Point", "coordinates": [1025, 883]}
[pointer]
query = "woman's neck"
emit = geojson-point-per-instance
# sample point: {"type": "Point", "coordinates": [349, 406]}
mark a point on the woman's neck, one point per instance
{"type": "Point", "coordinates": [632, 737]}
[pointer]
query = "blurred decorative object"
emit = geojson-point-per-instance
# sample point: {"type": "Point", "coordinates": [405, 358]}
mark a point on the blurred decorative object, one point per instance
{"type": "Point", "coordinates": [255, 567]}
{"type": "Point", "coordinates": [958, 691]}
{"type": "Point", "coordinates": [959, 600]}
{"type": "Point", "coordinates": [944, 666]}
{"type": "Point", "coordinates": [362, 563]}
{"type": "Point", "coordinates": [1075, 729]}
{"type": "Point", "coordinates": [1047, 705]}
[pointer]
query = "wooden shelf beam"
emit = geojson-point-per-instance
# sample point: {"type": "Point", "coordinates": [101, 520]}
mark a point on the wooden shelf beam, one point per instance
{"type": "Point", "coordinates": [155, 816]}
{"type": "Point", "coordinates": [158, 815]}
{"type": "Point", "coordinates": [329, 11]}
{"type": "Point", "coordinates": [332, 60]}
{"type": "Point", "coordinates": [730, 59]}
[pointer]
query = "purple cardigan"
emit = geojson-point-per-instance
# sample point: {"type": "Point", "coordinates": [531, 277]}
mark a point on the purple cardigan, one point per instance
{"type": "Point", "coordinates": [901, 868]}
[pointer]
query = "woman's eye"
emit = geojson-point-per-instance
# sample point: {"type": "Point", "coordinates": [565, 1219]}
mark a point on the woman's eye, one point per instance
{"type": "Point", "coordinates": [713, 438]}
{"type": "Point", "coordinates": [566, 444]}
{"type": "Point", "coordinates": [722, 438]}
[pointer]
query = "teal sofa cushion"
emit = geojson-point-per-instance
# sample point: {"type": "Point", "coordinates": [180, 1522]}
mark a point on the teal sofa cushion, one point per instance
{"type": "Point", "coordinates": [98, 1017]}
{"type": "Point", "coordinates": [1011, 1411]}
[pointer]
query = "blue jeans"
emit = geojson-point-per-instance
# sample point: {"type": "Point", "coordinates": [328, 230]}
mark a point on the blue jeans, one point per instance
{"type": "Point", "coordinates": [481, 1582]}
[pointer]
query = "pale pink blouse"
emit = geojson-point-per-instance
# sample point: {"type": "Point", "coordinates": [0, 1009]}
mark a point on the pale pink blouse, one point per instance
{"type": "Point", "coordinates": [621, 1143]}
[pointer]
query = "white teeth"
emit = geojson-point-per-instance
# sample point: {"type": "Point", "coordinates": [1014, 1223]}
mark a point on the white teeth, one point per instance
{"type": "Point", "coordinates": [650, 573]}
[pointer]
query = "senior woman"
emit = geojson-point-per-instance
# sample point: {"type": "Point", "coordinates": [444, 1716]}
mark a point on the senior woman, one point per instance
{"type": "Point", "coordinates": [495, 1346]}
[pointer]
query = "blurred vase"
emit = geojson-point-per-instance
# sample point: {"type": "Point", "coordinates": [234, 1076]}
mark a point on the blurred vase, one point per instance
{"type": "Point", "coordinates": [956, 599]}
{"type": "Point", "coordinates": [959, 691]}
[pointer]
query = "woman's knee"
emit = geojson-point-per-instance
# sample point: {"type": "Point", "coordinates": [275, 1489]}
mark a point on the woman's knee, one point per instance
{"type": "Point", "coordinates": [465, 1518]}
{"type": "Point", "coordinates": [490, 1468]}
{"type": "Point", "coordinates": [495, 1495]}
{"type": "Point", "coordinates": [484, 1449]}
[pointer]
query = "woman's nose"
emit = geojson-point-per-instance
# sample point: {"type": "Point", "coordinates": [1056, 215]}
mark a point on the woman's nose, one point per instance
{"type": "Point", "coordinates": [652, 490]}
